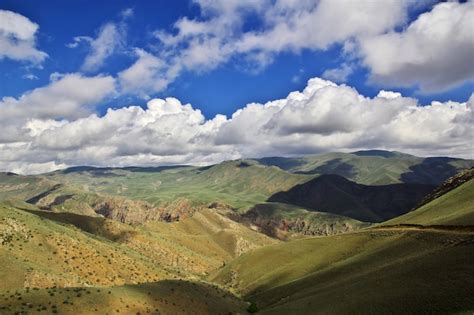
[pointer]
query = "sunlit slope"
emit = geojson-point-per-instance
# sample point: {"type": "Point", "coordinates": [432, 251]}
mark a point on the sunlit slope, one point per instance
{"type": "Point", "coordinates": [375, 271]}
{"type": "Point", "coordinates": [237, 183]}
{"type": "Point", "coordinates": [455, 207]}
{"type": "Point", "coordinates": [19, 187]}
{"type": "Point", "coordinates": [374, 167]}
{"type": "Point", "coordinates": [42, 249]}
{"type": "Point", "coordinates": [164, 297]}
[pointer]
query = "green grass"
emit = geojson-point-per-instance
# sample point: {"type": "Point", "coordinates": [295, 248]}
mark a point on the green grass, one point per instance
{"type": "Point", "coordinates": [383, 271]}
{"type": "Point", "coordinates": [374, 169]}
{"type": "Point", "coordinates": [228, 182]}
{"type": "Point", "coordinates": [455, 207]}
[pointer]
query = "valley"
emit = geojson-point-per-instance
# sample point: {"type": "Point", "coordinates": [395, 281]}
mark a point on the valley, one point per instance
{"type": "Point", "coordinates": [277, 235]}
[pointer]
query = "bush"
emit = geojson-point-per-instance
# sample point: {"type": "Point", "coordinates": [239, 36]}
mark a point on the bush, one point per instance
{"type": "Point", "coordinates": [252, 308]}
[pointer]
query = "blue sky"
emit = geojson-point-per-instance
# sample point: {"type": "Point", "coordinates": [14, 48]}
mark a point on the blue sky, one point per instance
{"type": "Point", "coordinates": [221, 90]}
{"type": "Point", "coordinates": [64, 61]}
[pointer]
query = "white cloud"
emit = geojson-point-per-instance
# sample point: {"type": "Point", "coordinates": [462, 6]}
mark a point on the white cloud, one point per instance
{"type": "Point", "coordinates": [127, 13]}
{"type": "Point", "coordinates": [30, 76]}
{"type": "Point", "coordinates": [431, 52]}
{"type": "Point", "coordinates": [146, 75]}
{"type": "Point", "coordinates": [18, 38]}
{"type": "Point", "coordinates": [108, 40]}
{"type": "Point", "coordinates": [79, 39]}
{"type": "Point", "coordinates": [435, 51]}
{"type": "Point", "coordinates": [340, 74]}
{"type": "Point", "coordinates": [219, 34]}
{"type": "Point", "coordinates": [323, 117]}
{"type": "Point", "coordinates": [69, 96]}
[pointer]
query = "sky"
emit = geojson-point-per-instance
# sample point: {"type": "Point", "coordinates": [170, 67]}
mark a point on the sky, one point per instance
{"type": "Point", "coordinates": [118, 83]}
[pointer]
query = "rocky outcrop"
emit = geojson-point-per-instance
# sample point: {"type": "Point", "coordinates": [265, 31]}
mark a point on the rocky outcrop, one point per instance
{"type": "Point", "coordinates": [297, 226]}
{"type": "Point", "coordinates": [138, 212]}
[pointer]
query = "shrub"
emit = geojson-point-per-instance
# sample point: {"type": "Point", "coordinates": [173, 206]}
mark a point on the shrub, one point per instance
{"type": "Point", "coordinates": [252, 308]}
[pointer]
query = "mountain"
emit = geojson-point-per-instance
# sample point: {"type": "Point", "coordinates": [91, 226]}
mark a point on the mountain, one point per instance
{"type": "Point", "coordinates": [374, 167]}
{"type": "Point", "coordinates": [45, 249]}
{"type": "Point", "coordinates": [213, 239]}
{"type": "Point", "coordinates": [381, 269]}
{"type": "Point", "coordinates": [450, 204]}
{"type": "Point", "coordinates": [239, 184]}
{"type": "Point", "coordinates": [337, 195]}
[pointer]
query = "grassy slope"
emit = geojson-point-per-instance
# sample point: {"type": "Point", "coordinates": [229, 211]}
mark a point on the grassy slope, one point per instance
{"type": "Point", "coordinates": [228, 182]}
{"type": "Point", "coordinates": [374, 169]}
{"type": "Point", "coordinates": [400, 271]}
{"type": "Point", "coordinates": [164, 297]}
{"type": "Point", "coordinates": [42, 249]}
{"type": "Point", "coordinates": [20, 187]}
{"type": "Point", "coordinates": [455, 207]}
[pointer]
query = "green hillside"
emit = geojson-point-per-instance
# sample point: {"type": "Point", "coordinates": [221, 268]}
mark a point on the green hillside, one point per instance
{"type": "Point", "coordinates": [376, 271]}
{"type": "Point", "coordinates": [236, 183]}
{"type": "Point", "coordinates": [374, 167]}
{"type": "Point", "coordinates": [456, 207]}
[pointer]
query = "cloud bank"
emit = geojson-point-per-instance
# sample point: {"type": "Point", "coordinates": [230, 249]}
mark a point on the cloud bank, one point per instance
{"type": "Point", "coordinates": [323, 117]}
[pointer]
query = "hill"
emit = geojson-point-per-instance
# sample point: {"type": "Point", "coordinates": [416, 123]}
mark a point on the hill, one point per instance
{"type": "Point", "coordinates": [236, 183]}
{"type": "Point", "coordinates": [337, 195]}
{"type": "Point", "coordinates": [45, 249]}
{"type": "Point", "coordinates": [408, 271]}
{"type": "Point", "coordinates": [164, 297]}
{"type": "Point", "coordinates": [374, 167]}
{"type": "Point", "coordinates": [450, 204]}
{"type": "Point", "coordinates": [284, 221]}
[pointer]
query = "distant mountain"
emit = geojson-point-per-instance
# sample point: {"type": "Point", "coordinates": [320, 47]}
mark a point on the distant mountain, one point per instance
{"type": "Point", "coordinates": [337, 195]}
{"type": "Point", "coordinates": [374, 167]}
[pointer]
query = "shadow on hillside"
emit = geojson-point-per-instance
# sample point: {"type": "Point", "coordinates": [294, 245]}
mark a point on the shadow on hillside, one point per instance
{"type": "Point", "coordinates": [432, 170]}
{"type": "Point", "coordinates": [338, 195]}
{"type": "Point", "coordinates": [35, 199]}
{"type": "Point", "coordinates": [281, 162]}
{"type": "Point", "coordinates": [93, 225]}
{"type": "Point", "coordinates": [333, 167]}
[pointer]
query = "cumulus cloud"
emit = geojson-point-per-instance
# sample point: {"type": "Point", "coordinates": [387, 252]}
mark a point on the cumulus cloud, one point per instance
{"type": "Point", "coordinates": [147, 74]}
{"type": "Point", "coordinates": [323, 117]}
{"type": "Point", "coordinates": [68, 96]}
{"type": "Point", "coordinates": [435, 51]}
{"type": "Point", "coordinates": [18, 38]}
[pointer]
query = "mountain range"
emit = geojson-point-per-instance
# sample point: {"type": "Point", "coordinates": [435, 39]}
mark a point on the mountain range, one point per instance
{"type": "Point", "coordinates": [274, 235]}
